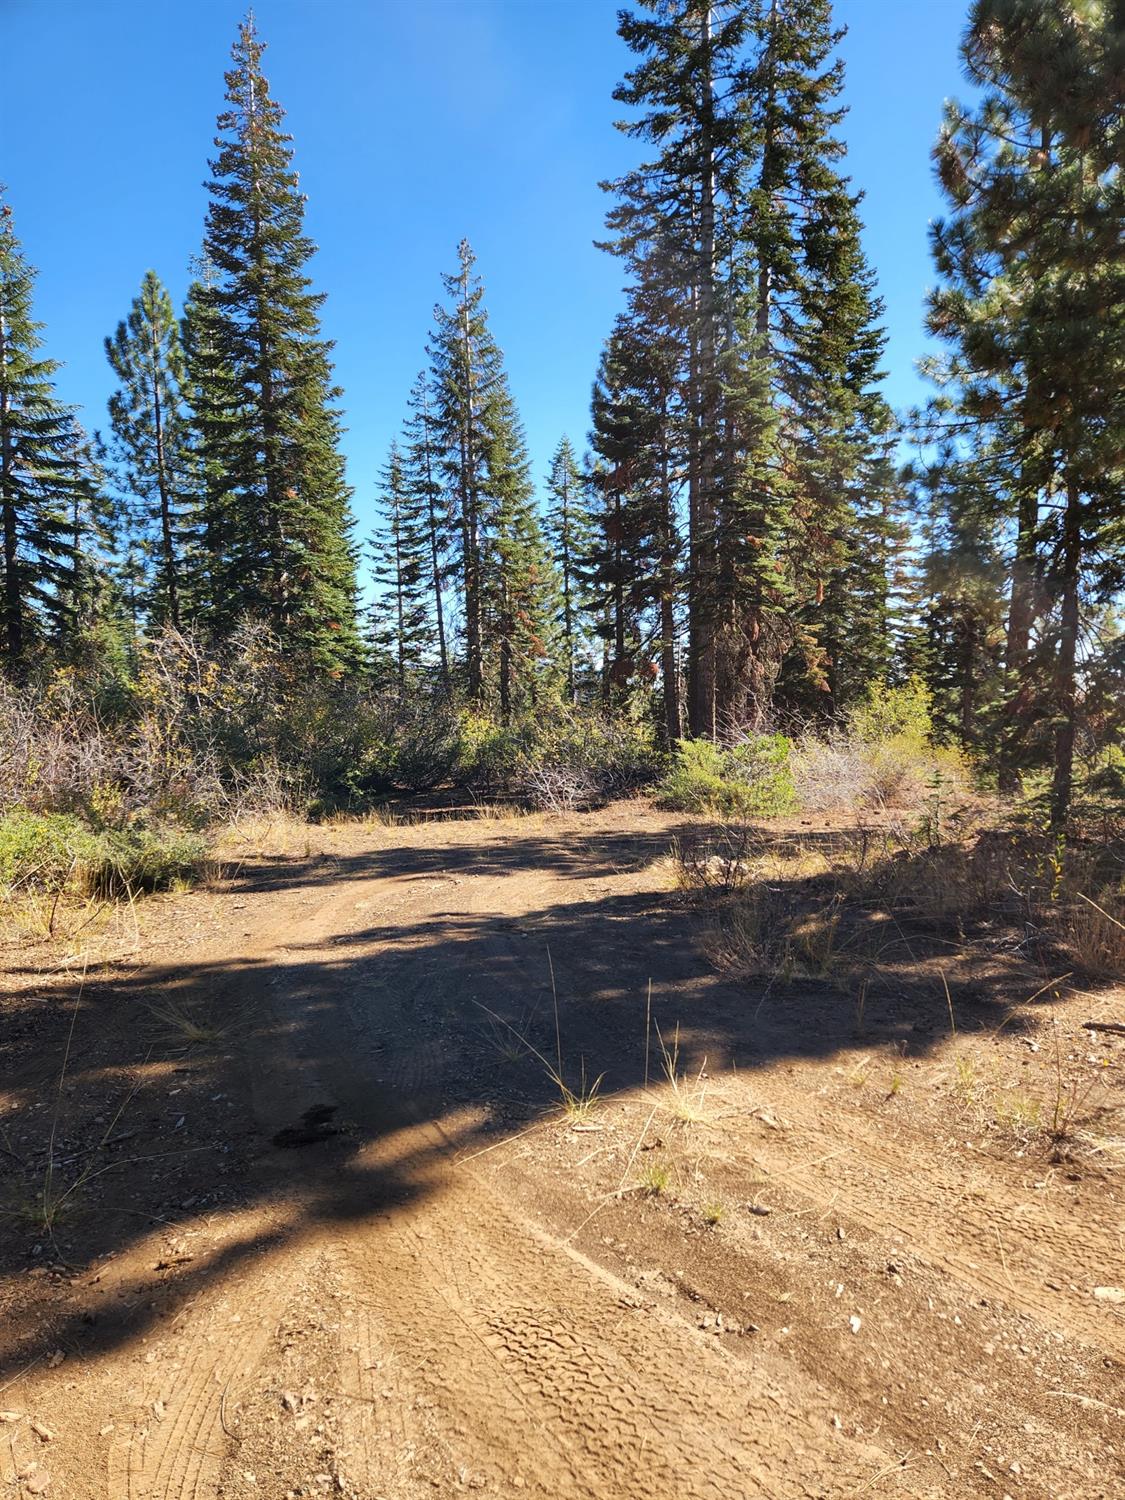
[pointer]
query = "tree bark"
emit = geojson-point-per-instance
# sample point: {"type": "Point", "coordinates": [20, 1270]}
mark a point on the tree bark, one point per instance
{"type": "Point", "coordinates": [1066, 695]}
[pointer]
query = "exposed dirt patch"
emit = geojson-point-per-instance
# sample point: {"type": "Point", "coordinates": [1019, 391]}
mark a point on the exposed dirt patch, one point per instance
{"type": "Point", "coordinates": [318, 1225]}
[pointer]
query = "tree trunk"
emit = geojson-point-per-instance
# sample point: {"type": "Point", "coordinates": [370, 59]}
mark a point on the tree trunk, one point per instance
{"type": "Point", "coordinates": [1021, 616]}
{"type": "Point", "coordinates": [470, 530]}
{"type": "Point", "coordinates": [706, 395]}
{"type": "Point", "coordinates": [13, 603]}
{"type": "Point", "coordinates": [435, 559]}
{"type": "Point", "coordinates": [673, 725]}
{"type": "Point", "coordinates": [1066, 696]}
{"type": "Point", "coordinates": [167, 541]}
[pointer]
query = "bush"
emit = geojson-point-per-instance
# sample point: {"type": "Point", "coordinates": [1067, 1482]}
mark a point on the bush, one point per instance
{"type": "Point", "coordinates": [883, 756]}
{"type": "Point", "coordinates": [580, 758]}
{"type": "Point", "coordinates": [750, 779]}
{"type": "Point", "coordinates": [125, 862]}
{"type": "Point", "coordinates": [56, 851]}
{"type": "Point", "coordinates": [42, 849]}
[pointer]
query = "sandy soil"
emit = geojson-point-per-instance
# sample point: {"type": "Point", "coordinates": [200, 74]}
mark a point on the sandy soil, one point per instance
{"type": "Point", "coordinates": [319, 1226]}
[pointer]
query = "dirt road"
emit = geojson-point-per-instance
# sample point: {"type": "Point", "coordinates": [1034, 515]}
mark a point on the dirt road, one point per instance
{"type": "Point", "coordinates": [335, 1235]}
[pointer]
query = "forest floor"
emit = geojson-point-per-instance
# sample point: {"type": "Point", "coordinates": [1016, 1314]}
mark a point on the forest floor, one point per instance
{"type": "Point", "coordinates": [317, 1223]}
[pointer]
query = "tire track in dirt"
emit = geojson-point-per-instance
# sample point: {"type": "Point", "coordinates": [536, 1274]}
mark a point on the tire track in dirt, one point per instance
{"type": "Point", "coordinates": [990, 1235]}
{"type": "Point", "coordinates": [508, 1356]}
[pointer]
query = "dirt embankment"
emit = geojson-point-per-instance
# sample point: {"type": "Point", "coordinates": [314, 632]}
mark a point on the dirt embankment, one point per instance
{"type": "Point", "coordinates": [316, 1222]}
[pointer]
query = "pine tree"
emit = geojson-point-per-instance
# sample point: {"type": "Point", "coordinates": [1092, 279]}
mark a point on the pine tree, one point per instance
{"type": "Point", "coordinates": [429, 506]}
{"type": "Point", "coordinates": [519, 581]}
{"type": "Point", "coordinates": [149, 421]}
{"type": "Point", "coordinates": [86, 590]}
{"type": "Point", "coordinates": [634, 574]}
{"type": "Point", "coordinates": [1031, 276]}
{"type": "Point", "coordinates": [37, 452]}
{"type": "Point", "coordinates": [569, 533]}
{"type": "Point", "coordinates": [503, 570]}
{"type": "Point", "coordinates": [742, 239]}
{"type": "Point", "coordinates": [399, 625]}
{"type": "Point", "coordinates": [279, 529]}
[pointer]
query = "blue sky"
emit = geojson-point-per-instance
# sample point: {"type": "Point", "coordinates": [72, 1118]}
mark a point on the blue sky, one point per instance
{"type": "Point", "coordinates": [414, 124]}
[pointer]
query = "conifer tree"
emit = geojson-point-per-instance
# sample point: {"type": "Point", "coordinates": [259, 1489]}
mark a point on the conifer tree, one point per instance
{"type": "Point", "coordinates": [279, 528]}
{"type": "Point", "coordinates": [37, 455]}
{"type": "Point", "coordinates": [569, 533]}
{"type": "Point", "coordinates": [149, 421]}
{"type": "Point", "coordinates": [634, 573]}
{"type": "Point", "coordinates": [504, 574]}
{"type": "Point", "coordinates": [86, 593]}
{"type": "Point", "coordinates": [742, 239]}
{"type": "Point", "coordinates": [399, 624]}
{"type": "Point", "coordinates": [1031, 277]}
{"type": "Point", "coordinates": [519, 580]}
{"type": "Point", "coordinates": [429, 505]}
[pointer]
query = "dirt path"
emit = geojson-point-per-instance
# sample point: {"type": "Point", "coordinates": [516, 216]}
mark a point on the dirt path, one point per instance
{"type": "Point", "coordinates": [443, 1283]}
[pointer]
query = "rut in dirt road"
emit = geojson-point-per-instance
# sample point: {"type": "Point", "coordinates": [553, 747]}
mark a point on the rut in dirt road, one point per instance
{"type": "Point", "coordinates": [414, 1295]}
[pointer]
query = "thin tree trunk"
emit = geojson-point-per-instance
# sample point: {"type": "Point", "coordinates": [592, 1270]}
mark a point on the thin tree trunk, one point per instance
{"type": "Point", "coordinates": [470, 530]}
{"type": "Point", "coordinates": [435, 556]}
{"type": "Point", "coordinates": [1017, 646]}
{"type": "Point", "coordinates": [13, 603]}
{"type": "Point", "coordinates": [162, 488]}
{"type": "Point", "coordinates": [673, 725]}
{"type": "Point", "coordinates": [568, 615]}
{"type": "Point", "coordinates": [1066, 696]}
{"type": "Point", "coordinates": [706, 394]}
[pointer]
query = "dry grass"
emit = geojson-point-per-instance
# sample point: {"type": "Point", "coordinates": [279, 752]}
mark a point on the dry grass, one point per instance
{"type": "Point", "coordinates": [866, 899]}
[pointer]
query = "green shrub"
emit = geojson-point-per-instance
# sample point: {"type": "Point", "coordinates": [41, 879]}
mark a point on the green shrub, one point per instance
{"type": "Point", "coordinates": [889, 713]}
{"type": "Point", "coordinates": [55, 851]}
{"type": "Point", "coordinates": [127, 861]}
{"type": "Point", "coordinates": [750, 779]}
{"type": "Point", "coordinates": [43, 849]}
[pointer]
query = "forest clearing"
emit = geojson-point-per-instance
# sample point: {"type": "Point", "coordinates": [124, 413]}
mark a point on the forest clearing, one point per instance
{"type": "Point", "coordinates": [562, 850]}
{"type": "Point", "coordinates": [798, 1241]}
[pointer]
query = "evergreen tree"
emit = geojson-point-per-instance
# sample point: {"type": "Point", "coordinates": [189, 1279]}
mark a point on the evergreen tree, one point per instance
{"type": "Point", "coordinates": [399, 625]}
{"type": "Point", "coordinates": [633, 572]}
{"type": "Point", "coordinates": [37, 455]}
{"type": "Point", "coordinates": [278, 519]}
{"type": "Point", "coordinates": [1031, 278]}
{"type": "Point", "coordinates": [149, 421]}
{"type": "Point", "coordinates": [429, 506]}
{"type": "Point", "coordinates": [569, 534]}
{"type": "Point", "coordinates": [519, 580]}
{"type": "Point", "coordinates": [503, 571]}
{"type": "Point", "coordinates": [742, 239]}
{"type": "Point", "coordinates": [86, 590]}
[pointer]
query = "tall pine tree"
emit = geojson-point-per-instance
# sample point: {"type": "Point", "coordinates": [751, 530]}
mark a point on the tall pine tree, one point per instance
{"type": "Point", "coordinates": [400, 630]}
{"type": "Point", "coordinates": [150, 424]}
{"type": "Point", "coordinates": [569, 532]}
{"type": "Point", "coordinates": [1031, 283]}
{"type": "Point", "coordinates": [37, 467]}
{"type": "Point", "coordinates": [504, 573]}
{"type": "Point", "coordinates": [742, 240]}
{"type": "Point", "coordinates": [429, 506]}
{"type": "Point", "coordinates": [279, 517]}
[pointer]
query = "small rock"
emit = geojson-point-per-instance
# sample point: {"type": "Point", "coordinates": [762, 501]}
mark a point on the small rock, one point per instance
{"type": "Point", "coordinates": [760, 1209]}
{"type": "Point", "coordinates": [106, 1430]}
{"type": "Point", "coordinates": [38, 1484]}
{"type": "Point", "coordinates": [289, 1401]}
{"type": "Point", "coordinates": [1114, 1294]}
{"type": "Point", "coordinates": [11, 1416]}
{"type": "Point", "coordinates": [855, 1322]}
{"type": "Point", "coordinates": [158, 1409]}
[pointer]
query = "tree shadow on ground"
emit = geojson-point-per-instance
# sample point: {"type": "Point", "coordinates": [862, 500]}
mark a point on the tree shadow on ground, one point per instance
{"type": "Point", "coordinates": [447, 1019]}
